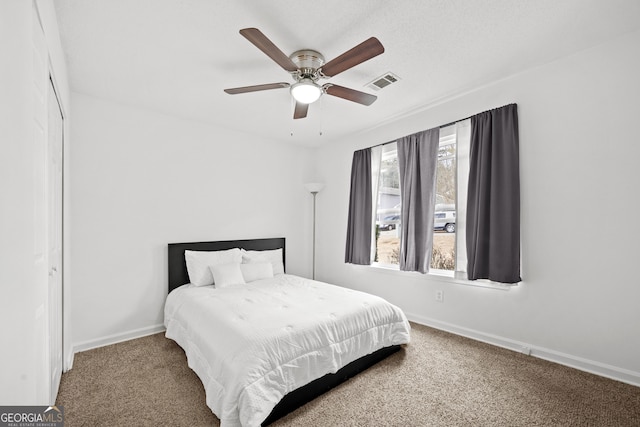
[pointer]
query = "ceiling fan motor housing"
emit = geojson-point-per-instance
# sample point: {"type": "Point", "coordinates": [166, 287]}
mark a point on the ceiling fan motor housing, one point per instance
{"type": "Point", "coordinates": [308, 62]}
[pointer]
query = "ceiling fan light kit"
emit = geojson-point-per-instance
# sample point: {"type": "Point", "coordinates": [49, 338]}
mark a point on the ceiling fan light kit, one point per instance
{"type": "Point", "coordinates": [306, 91]}
{"type": "Point", "coordinates": [307, 67]}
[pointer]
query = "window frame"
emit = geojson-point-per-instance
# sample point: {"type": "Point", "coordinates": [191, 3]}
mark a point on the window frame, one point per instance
{"type": "Point", "coordinates": [385, 153]}
{"type": "Point", "coordinates": [393, 270]}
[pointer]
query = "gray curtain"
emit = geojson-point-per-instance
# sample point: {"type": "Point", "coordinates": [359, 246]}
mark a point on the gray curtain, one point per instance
{"type": "Point", "coordinates": [417, 159]}
{"type": "Point", "coordinates": [493, 200]}
{"type": "Point", "coordinates": [359, 225]}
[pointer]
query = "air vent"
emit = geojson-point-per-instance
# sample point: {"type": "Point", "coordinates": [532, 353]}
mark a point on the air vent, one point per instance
{"type": "Point", "coordinates": [383, 81]}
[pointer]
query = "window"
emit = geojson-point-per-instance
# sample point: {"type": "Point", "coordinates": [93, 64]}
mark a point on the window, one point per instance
{"type": "Point", "coordinates": [444, 223]}
{"type": "Point", "coordinates": [388, 207]}
{"type": "Point", "coordinates": [445, 190]}
{"type": "Point", "coordinates": [447, 206]}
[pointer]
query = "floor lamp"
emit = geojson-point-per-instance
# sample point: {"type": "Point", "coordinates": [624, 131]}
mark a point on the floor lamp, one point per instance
{"type": "Point", "coordinates": [314, 188]}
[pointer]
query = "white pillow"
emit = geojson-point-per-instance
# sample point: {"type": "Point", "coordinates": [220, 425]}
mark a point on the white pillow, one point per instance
{"type": "Point", "coordinates": [198, 263]}
{"type": "Point", "coordinates": [226, 275]}
{"type": "Point", "coordinates": [273, 256]}
{"type": "Point", "coordinates": [256, 271]}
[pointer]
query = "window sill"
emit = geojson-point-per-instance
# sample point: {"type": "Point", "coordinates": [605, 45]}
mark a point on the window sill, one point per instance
{"type": "Point", "coordinates": [439, 275]}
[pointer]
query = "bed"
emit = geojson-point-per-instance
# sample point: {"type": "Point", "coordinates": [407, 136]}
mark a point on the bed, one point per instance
{"type": "Point", "coordinates": [266, 347]}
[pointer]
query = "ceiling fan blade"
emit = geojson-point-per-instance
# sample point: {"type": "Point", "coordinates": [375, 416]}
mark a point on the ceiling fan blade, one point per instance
{"type": "Point", "coordinates": [359, 54]}
{"type": "Point", "coordinates": [256, 88]}
{"type": "Point", "coordinates": [349, 94]}
{"type": "Point", "coordinates": [261, 41]}
{"type": "Point", "coordinates": [300, 111]}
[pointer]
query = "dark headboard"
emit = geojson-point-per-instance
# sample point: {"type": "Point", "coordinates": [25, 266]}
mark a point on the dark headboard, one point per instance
{"type": "Point", "coordinates": [178, 275]}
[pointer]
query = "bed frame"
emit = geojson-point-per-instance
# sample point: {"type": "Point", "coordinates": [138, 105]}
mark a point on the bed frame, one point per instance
{"type": "Point", "coordinates": [178, 276]}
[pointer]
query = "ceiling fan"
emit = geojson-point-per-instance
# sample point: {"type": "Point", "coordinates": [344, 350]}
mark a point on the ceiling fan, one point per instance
{"type": "Point", "coordinates": [307, 67]}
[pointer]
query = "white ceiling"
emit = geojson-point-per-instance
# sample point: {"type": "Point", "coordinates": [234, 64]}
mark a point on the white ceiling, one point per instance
{"type": "Point", "coordinates": [177, 56]}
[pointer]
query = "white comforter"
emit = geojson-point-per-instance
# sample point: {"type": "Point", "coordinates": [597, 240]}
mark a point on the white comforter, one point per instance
{"type": "Point", "coordinates": [252, 344]}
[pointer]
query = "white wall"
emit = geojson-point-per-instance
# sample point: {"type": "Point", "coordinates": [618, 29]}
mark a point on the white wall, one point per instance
{"type": "Point", "coordinates": [579, 155]}
{"type": "Point", "coordinates": [17, 301]}
{"type": "Point", "coordinates": [23, 279]}
{"type": "Point", "coordinates": [142, 180]}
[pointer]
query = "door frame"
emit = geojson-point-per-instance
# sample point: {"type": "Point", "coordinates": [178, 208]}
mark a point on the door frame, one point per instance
{"type": "Point", "coordinates": [52, 84]}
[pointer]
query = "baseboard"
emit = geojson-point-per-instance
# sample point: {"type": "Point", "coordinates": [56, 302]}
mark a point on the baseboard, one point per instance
{"type": "Point", "coordinates": [116, 338]}
{"type": "Point", "coordinates": [593, 367]}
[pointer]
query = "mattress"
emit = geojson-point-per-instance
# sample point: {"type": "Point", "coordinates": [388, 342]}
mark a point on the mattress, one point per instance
{"type": "Point", "coordinates": [252, 344]}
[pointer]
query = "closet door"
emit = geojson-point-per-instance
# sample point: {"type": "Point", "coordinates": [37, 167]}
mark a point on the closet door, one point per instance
{"type": "Point", "coordinates": [54, 228]}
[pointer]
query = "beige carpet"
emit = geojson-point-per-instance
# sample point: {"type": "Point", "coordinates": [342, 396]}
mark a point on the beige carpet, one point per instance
{"type": "Point", "coordinates": [439, 379]}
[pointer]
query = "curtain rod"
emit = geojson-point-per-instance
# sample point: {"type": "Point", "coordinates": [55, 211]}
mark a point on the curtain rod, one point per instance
{"type": "Point", "coordinates": [467, 118]}
{"type": "Point", "coordinates": [444, 126]}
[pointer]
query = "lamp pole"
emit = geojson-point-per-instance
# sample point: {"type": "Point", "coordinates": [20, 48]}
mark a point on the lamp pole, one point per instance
{"type": "Point", "coordinates": [314, 188]}
{"type": "Point", "coordinates": [313, 261]}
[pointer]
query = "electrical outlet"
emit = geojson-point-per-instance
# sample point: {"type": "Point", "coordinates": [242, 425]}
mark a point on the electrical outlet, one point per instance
{"type": "Point", "coordinates": [439, 295]}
